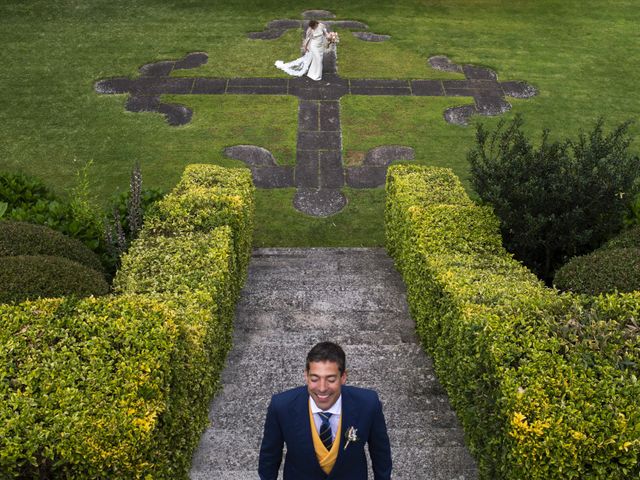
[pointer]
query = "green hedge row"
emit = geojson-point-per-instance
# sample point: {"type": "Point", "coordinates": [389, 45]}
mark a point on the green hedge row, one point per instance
{"type": "Point", "coordinates": [118, 387]}
{"type": "Point", "coordinates": [613, 267]}
{"type": "Point", "coordinates": [545, 385]}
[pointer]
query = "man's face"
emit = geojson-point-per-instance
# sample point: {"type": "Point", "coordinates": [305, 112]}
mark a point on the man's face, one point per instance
{"type": "Point", "coordinates": [324, 382]}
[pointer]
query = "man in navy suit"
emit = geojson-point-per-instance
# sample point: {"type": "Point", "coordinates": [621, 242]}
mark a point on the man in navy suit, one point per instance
{"type": "Point", "coordinates": [325, 426]}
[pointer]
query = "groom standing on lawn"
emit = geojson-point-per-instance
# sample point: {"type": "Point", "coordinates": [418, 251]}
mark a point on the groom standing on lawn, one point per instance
{"type": "Point", "coordinates": [325, 426]}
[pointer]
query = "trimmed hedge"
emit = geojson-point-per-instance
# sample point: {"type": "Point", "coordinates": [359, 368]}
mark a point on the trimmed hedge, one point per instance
{"type": "Point", "coordinates": [86, 383]}
{"type": "Point", "coordinates": [544, 384]}
{"type": "Point", "coordinates": [206, 197]}
{"type": "Point", "coordinates": [21, 238]}
{"type": "Point", "coordinates": [192, 273]}
{"type": "Point", "coordinates": [127, 379]}
{"type": "Point", "coordinates": [32, 276]}
{"type": "Point", "coordinates": [603, 271]}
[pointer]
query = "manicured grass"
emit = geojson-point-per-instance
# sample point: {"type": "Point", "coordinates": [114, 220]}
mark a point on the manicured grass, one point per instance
{"type": "Point", "coordinates": [579, 54]}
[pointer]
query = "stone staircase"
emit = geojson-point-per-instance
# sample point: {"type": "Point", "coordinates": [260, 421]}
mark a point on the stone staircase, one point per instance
{"type": "Point", "coordinates": [295, 298]}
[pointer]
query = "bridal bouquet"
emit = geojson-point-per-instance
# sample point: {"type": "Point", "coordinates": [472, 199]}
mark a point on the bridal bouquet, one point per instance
{"type": "Point", "coordinates": [332, 37]}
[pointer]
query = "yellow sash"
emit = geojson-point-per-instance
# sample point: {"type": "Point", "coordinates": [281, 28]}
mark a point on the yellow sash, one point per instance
{"type": "Point", "coordinates": [326, 458]}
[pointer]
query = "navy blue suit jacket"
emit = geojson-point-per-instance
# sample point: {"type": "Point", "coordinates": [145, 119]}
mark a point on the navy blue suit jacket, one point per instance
{"type": "Point", "coordinates": [288, 422]}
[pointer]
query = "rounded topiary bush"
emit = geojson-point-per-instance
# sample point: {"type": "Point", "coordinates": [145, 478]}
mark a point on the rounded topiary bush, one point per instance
{"type": "Point", "coordinates": [22, 238]}
{"type": "Point", "coordinates": [27, 277]}
{"type": "Point", "coordinates": [602, 271]}
{"type": "Point", "coordinates": [627, 239]}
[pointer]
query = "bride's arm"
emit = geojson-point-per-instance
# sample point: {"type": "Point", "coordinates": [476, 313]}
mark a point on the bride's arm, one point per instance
{"type": "Point", "coordinates": [305, 42]}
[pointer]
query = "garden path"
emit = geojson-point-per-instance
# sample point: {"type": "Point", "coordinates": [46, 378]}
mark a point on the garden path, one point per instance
{"type": "Point", "coordinates": [353, 296]}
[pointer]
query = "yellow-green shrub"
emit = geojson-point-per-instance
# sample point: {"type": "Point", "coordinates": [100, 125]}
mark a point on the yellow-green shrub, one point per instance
{"type": "Point", "coordinates": [531, 403]}
{"type": "Point", "coordinates": [206, 197]}
{"type": "Point", "coordinates": [193, 274]}
{"type": "Point", "coordinates": [85, 383]}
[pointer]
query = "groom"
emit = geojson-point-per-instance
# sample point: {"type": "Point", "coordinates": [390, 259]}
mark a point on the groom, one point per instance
{"type": "Point", "coordinates": [325, 426]}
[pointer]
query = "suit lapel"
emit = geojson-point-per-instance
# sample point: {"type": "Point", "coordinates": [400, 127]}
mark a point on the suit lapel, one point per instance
{"type": "Point", "coordinates": [300, 414]}
{"type": "Point", "coordinates": [350, 415]}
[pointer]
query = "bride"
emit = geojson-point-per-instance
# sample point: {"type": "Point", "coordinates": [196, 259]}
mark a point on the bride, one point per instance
{"type": "Point", "coordinates": [313, 48]}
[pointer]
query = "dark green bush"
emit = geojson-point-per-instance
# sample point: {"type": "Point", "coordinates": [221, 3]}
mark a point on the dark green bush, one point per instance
{"type": "Point", "coordinates": [545, 385]}
{"type": "Point", "coordinates": [603, 271]}
{"type": "Point", "coordinates": [21, 238]}
{"type": "Point", "coordinates": [559, 200]}
{"type": "Point", "coordinates": [30, 200]}
{"type": "Point", "coordinates": [32, 276]}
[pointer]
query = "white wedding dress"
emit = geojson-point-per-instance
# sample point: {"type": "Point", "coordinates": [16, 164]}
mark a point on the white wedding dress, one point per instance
{"type": "Point", "coordinates": [311, 62]}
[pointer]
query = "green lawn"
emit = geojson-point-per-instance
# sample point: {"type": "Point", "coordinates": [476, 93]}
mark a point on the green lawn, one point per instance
{"type": "Point", "coordinates": [581, 55]}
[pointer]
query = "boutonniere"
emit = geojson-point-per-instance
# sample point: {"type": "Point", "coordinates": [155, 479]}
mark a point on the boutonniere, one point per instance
{"type": "Point", "coordinates": [351, 435]}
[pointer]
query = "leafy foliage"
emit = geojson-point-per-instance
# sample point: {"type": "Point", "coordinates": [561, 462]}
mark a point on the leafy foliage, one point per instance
{"type": "Point", "coordinates": [558, 200]}
{"type": "Point", "coordinates": [21, 238]}
{"type": "Point", "coordinates": [30, 200]}
{"type": "Point", "coordinates": [545, 385]}
{"type": "Point", "coordinates": [32, 276]}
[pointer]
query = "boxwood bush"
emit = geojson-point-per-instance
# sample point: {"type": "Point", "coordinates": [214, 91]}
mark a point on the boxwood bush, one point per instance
{"type": "Point", "coordinates": [33, 276]}
{"type": "Point", "coordinates": [118, 387]}
{"type": "Point", "coordinates": [613, 267]}
{"type": "Point", "coordinates": [545, 385]}
{"type": "Point", "coordinates": [21, 238]}
{"type": "Point", "coordinates": [602, 271]}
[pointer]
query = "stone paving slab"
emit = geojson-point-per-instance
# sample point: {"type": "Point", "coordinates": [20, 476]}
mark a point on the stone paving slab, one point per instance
{"type": "Point", "coordinates": [280, 177]}
{"type": "Point", "coordinates": [430, 88]}
{"type": "Point", "coordinates": [209, 86]}
{"type": "Point", "coordinates": [308, 119]}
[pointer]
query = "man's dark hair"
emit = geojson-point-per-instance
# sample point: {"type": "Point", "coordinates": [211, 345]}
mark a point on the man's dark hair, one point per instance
{"type": "Point", "coordinates": [327, 352]}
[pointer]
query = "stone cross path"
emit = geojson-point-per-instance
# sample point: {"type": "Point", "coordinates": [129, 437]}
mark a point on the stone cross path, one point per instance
{"type": "Point", "coordinates": [295, 298]}
{"type": "Point", "coordinates": [319, 174]}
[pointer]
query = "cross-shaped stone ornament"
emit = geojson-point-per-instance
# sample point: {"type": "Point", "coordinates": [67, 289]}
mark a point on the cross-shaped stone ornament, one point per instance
{"type": "Point", "coordinates": [319, 174]}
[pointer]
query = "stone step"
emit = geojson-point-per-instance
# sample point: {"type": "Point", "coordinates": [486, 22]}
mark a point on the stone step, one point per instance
{"type": "Point", "coordinates": [415, 462]}
{"type": "Point", "coordinates": [272, 279]}
{"type": "Point", "coordinates": [327, 300]}
{"type": "Point", "coordinates": [235, 450]}
{"type": "Point", "coordinates": [416, 380]}
{"type": "Point", "coordinates": [314, 261]}
{"type": "Point", "coordinates": [273, 356]}
{"type": "Point", "coordinates": [275, 338]}
{"type": "Point", "coordinates": [338, 323]}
